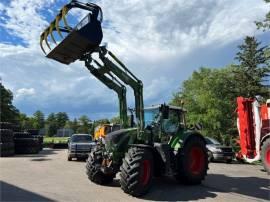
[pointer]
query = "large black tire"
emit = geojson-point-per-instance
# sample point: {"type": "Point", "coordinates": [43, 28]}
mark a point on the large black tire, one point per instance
{"type": "Point", "coordinates": [40, 139]}
{"type": "Point", "coordinates": [93, 165]}
{"type": "Point", "coordinates": [6, 146]}
{"type": "Point", "coordinates": [26, 142]}
{"type": "Point", "coordinates": [26, 145]}
{"type": "Point", "coordinates": [137, 171]}
{"type": "Point", "coordinates": [265, 155]}
{"type": "Point", "coordinates": [26, 150]}
{"type": "Point", "coordinates": [23, 135]}
{"type": "Point", "coordinates": [5, 125]}
{"type": "Point", "coordinates": [7, 153]}
{"type": "Point", "coordinates": [16, 128]}
{"type": "Point", "coordinates": [6, 149]}
{"type": "Point", "coordinates": [6, 135]}
{"type": "Point", "coordinates": [33, 132]}
{"type": "Point", "coordinates": [192, 161]}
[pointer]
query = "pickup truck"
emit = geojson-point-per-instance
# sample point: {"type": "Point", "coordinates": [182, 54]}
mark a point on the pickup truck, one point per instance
{"type": "Point", "coordinates": [79, 146]}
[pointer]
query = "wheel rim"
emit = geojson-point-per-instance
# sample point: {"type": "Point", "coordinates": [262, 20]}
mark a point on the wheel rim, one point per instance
{"type": "Point", "coordinates": [267, 155]}
{"type": "Point", "coordinates": [146, 172]}
{"type": "Point", "coordinates": [197, 160]}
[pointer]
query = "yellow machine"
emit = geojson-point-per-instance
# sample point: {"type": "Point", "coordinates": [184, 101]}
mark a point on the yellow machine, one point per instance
{"type": "Point", "coordinates": [102, 130]}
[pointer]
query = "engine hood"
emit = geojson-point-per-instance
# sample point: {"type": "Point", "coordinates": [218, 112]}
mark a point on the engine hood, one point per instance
{"type": "Point", "coordinates": [119, 137]}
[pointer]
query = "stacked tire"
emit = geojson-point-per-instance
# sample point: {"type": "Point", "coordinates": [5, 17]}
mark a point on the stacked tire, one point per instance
{"type": "Point", "coordinates": [25, 143]}
{"type": "Point", "coordinates": [6, 140]}
{"type": "Point", "coordinates": [35, 133]}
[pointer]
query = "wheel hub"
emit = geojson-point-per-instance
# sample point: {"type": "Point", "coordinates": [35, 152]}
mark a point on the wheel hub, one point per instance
{"type": "Point", "coordinates": [196, 160]}
{"type": "Point", "coordinates": [146, 172]}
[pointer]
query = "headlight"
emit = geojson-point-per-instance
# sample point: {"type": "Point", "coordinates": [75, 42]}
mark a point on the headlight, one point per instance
{"type": "Point", "coordinates": [216, 149]}
{"type": "Point", "coordinates": [73, 146]}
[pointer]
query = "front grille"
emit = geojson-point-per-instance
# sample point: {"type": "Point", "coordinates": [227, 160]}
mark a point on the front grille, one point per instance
{"type": "Point", "coordinates": [80, 151]}
{"type": "Point", "coordinates": [226, 149]}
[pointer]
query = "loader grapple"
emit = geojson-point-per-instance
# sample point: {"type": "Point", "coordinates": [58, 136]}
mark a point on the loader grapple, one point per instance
{"type": "Point", "coordinates": [73, 41]}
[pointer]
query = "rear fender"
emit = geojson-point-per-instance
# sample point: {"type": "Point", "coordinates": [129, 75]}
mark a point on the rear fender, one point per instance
{"type": "Point", "coordinates": [179, 141]}
{"type": "Point", "coordinates": [191, 135]}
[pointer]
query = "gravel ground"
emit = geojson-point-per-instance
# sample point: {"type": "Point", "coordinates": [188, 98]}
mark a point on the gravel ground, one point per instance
{"type": "Point", "coordinates": [48, 176]}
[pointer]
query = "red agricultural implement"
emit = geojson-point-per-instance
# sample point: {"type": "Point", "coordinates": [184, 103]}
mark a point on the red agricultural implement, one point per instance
{"type": "Point", "coordinates": [254, 131]}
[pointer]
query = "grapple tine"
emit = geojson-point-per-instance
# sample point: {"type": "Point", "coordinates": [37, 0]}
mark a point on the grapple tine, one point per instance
{"type": "Point", "coordinates": [51, 31]}
{"type": "Point", "coordinates": [40, 42]}
{"type": "Point", "coordinates": [58, 17]}
{"type": "Point", "coordinates": [82, 38]}
{"type": "Point", "coordinates": [46, 37]}
{"type": "Point", "coordinates": [64, 13]}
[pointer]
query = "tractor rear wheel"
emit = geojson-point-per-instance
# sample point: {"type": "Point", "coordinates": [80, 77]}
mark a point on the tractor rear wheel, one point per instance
{"type": "Point", "coordinates": [137, 171]}
{"type": "Point", "coordinates": [192, 162]}
{"type": "Point", "coordinates": [93, 168]}
{"type": "Point", "coordinates": [265, 155]}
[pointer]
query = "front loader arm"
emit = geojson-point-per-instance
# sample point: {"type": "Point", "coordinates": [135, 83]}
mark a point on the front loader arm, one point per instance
{"type": "Point", "coordinates": [113, 83]}
{"type": "Point", "coordinates": [116, 67]}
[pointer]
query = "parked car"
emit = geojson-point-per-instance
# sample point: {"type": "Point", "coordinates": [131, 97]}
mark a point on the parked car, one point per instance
{"type": "Point", "coordinates": [79, 146]}
{"type": "Point", "coordinates": [218, 152]}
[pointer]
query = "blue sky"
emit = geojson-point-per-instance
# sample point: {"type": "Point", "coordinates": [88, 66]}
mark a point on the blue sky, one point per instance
{"type": "Point", "coordinates": [161, 42]}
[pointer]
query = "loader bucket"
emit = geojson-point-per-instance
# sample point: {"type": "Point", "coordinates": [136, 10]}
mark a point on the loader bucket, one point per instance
{"type": "Point", "coordinates": [73, 42]}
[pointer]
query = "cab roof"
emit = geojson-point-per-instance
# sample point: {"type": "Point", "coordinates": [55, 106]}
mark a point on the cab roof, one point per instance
{"type": "Point", "coordinates": [170, 107]}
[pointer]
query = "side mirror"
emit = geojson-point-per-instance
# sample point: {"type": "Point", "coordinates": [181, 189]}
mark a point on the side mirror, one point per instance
{"type": "Point", "coordinates": [68, 140]}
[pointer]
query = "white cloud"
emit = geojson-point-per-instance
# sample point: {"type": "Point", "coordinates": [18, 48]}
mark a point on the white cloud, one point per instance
{"type": "Point", "coordinates": [1, 7]}
{"type": "Point", "coordinates": [25, 92]}
{"type": "Point", "coordinates": [152, 38]}
{"type": "Point", "coordinates": [24, 20]}
{"type": "Point", "coordinates": [165, 28]}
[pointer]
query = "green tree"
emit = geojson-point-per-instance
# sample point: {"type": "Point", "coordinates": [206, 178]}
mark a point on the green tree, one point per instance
{"type": "Point", "coordinates": [61, 119]}
{"type": "Point", "coordinates": [115, 120]}
{"type": "Point", "coordinates": [26, 122]}
{"type": "Point", "coordinates": [68, 125]}
{"type": "Point", "coordinates": [84, 124]}
{"type": "Point", "coordinates": [252, 70]}
{"type": "Point", "coordinates": [39, 120]}
{"type": "Point", "coordinates": [74, 125]}
{"type": "Point", "coordinates": [208, 100]}
{"type": "Point", "coordinates": [265, 24]}
{"type": "Point", "coordinates": [102, 121]}
{"type": "Point", "coordinates": [51, 125]}
{"type": "Point", "coordinates": [8, 111]}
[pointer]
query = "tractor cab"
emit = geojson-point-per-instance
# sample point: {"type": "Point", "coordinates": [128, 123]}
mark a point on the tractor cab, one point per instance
{"type": "Point", "coordinates": [166, 118]}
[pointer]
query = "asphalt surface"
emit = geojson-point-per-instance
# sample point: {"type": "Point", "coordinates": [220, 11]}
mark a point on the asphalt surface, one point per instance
{"type": "Point", "coordinates": [48, 176]}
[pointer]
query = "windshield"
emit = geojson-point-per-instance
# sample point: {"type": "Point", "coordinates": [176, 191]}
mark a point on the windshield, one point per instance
{"type": "Point", "coordinates": [150, 115]}
{"type": "Point", "coordinates": [81, 138]}
{"type": "Point", "coordinates": [212, 141]}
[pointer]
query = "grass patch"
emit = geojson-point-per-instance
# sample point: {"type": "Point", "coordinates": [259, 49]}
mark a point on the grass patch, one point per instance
{"type": "Point", "coordinates": [55, 140]}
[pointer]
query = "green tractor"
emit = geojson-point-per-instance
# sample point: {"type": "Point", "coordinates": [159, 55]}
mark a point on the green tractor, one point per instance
{"type": "Point", "coordinates": [158, 142]}
{"type": "Point", "coordinates": [164, 147]}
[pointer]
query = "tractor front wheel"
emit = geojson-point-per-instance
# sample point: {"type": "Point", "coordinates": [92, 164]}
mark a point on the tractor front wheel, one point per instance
{"type": "Point", "coordinates": [137, 171]}
{"type": "Point", "coordinates": [192, 162]}
{"type": "Point", "coordinates": [93, 168]}
{"type": "Point", "coordinates": [265, 155]}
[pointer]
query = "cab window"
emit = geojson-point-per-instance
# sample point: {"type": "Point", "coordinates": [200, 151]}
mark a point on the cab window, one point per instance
{"type": "Point", "coordinates": [171, 124]}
